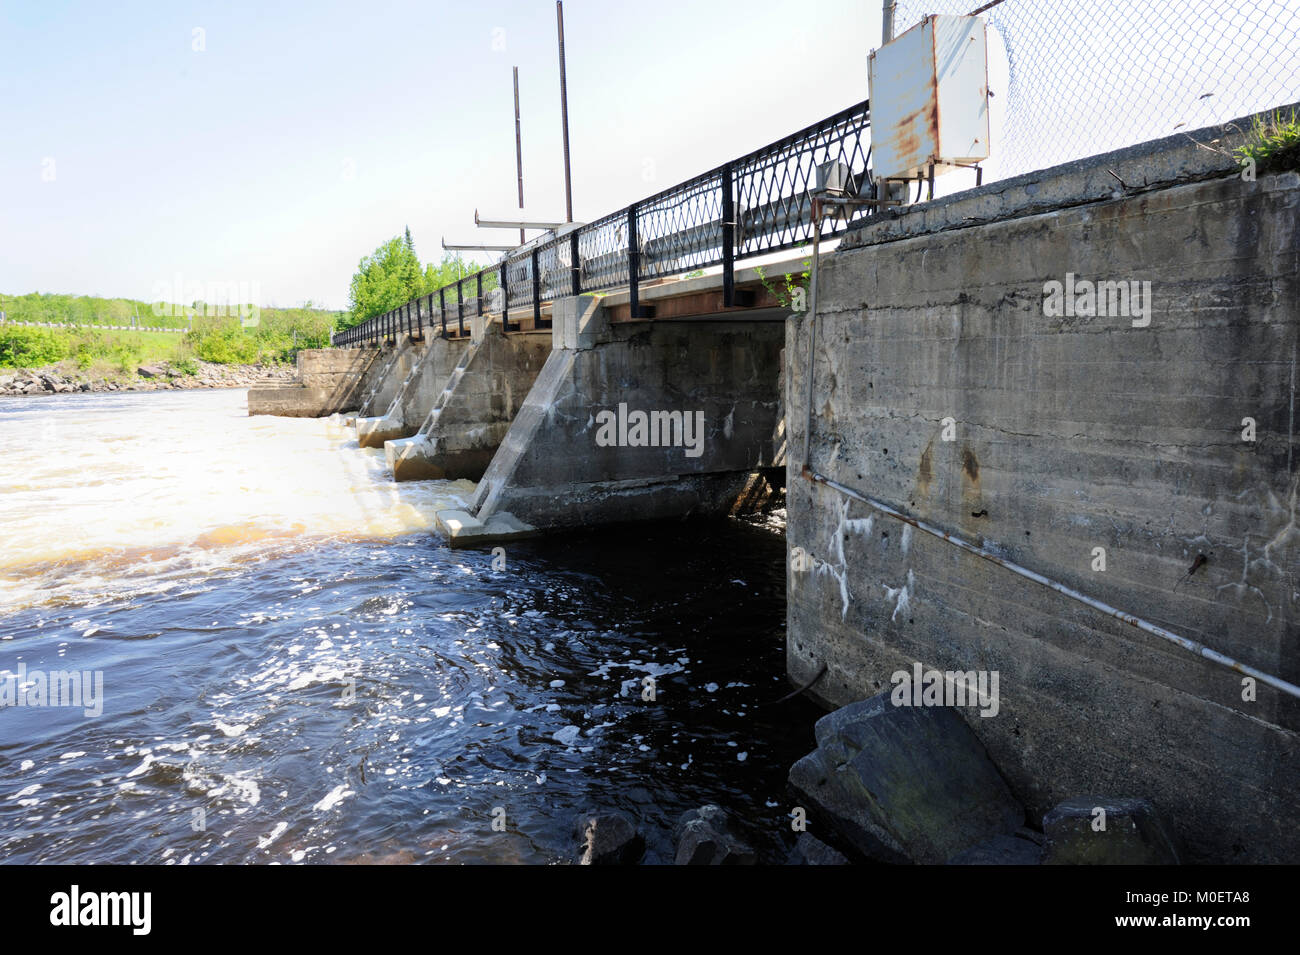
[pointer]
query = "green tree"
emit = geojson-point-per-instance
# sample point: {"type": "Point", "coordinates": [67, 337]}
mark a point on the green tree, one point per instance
{"type": "Point", "coordinates": [392, 275]}
{"type": "Point", "coordinates": [385, 279]}
{"type": "Point", "coordinates": [454, 267]}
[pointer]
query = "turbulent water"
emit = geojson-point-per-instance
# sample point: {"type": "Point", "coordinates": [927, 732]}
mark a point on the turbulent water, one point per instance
{"type": "Point", "coordinates": [295, 668]}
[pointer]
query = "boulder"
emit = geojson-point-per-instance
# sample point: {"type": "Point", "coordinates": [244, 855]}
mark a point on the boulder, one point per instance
{"type": "Point", "coordinates": [704, 837]}
{"type": "Point", "coordinates": [903, 784]}
{"type": "Point", "coordinates": [1104, 830]}
{"type": "Point", "coordinates": [1023, 848]}
{"type": "Point", "coordinates": [809, 850]}
{"type": "Point", "coordinates": [151, 371]}
{"type": "Point", "coordinates": [609, 838]}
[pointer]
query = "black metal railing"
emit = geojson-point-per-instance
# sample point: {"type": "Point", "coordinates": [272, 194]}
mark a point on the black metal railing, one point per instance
{"type": "Point", "coordinates": [755, 205]}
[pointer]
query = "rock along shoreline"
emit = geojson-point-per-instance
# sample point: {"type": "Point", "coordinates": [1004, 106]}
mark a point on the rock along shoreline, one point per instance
{"type": "Point", "coordinates": [160, 376]}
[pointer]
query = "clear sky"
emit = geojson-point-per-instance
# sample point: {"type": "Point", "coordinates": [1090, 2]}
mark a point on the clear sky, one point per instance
{"type": "Point", "coordinates": [301, 135]}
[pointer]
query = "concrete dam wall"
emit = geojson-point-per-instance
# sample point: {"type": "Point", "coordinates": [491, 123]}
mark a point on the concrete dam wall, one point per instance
{"type": "Point", "coordinates": [328, 380]}
{"type": "Point", "coordinates": [1141, 452]}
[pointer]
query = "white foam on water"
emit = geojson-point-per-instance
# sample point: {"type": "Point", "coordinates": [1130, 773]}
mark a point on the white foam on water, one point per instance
{"type": "Point", "coordinates": [111, 494]}
{"type": "Point", "coordinates": [333, 798]}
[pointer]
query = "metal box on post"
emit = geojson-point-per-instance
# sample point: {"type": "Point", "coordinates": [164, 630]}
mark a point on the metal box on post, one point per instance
{"type": "Point", "coordinates": [929, 93]}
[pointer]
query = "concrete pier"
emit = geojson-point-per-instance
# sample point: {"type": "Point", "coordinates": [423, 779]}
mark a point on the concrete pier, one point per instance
{"type": "Point", "coordinates": [394, 363]}
{"type": "Point", "coordinates": [466, 420]}
{"type": "Point", "coordinates": [328, 381]}
{"type": "Point", "coordinates": [640, 420]}
{"type": "Point", "coordinates": [431, 363]}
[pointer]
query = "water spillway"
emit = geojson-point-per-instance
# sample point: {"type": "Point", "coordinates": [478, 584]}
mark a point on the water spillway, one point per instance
{"type": "Point", "coordinates": [290, 658]}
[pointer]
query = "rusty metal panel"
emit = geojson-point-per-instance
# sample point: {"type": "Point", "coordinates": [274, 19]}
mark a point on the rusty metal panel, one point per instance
{"type": "Point", "coordinates": [929, 98]}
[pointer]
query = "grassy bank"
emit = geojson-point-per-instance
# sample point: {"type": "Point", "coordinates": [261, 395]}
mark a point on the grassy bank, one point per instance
{"type": "Point", "coordinates": [269, 336]}
{"type": "Point", "coordinates": [224, 341]}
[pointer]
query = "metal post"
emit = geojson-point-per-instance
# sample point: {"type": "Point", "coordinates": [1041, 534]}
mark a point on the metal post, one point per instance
{"type": "Point", "coordinates": [460, 309]}
{"type": "Point", "coordinates": [519, 152]}
{"type": "Point", "coordinates": [575, 264]}
{"type": "Point", "coordinates": [728, 240]}
{"type": "Point", "coordinates": [537, 292]}
{"type": "Point", "coordinates": [633, 263]}
{"type": "Point", "coordinates": [478, 291]}
{"type": "Point", "coordinates": [442, 308]}
{"type": "Point", "coordinates": [505, 296]}
{"type": "Point", "coordinates": [564, 114]}
{"type": "Point", "coordinates": [887, 21]}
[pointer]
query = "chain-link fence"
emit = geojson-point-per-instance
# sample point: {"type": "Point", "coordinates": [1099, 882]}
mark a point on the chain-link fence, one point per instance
{"type": "Point", "coordinates": [1073, 78]}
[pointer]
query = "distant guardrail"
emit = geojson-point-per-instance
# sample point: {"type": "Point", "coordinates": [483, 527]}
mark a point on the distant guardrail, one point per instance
{"type": "Point", "coordinates": [120, 328]}
{"type": "Point", "coordinates": [755, 205]}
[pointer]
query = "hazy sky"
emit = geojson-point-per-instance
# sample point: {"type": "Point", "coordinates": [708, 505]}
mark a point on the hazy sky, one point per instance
{"type": "Point", "coordinates": [301, 135]}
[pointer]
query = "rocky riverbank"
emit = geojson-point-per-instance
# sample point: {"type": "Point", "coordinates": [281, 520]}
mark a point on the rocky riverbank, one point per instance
{"type": "Point", "coordinates": [152, 377]}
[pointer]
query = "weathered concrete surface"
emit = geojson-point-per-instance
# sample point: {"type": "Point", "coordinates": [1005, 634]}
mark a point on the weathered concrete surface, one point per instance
{"type": "Point", "coordinates": [903, 784]}
{"type": "Point", "coordinates": [328, 380]}
{"type": "Point", "coordinates": [1070, 434]}
{"type": "Point", "coordinates": [432, 363]}
{"type": "Point", "coordinates": [468, 419]}
{"type": "Point", "coordinates": [552, 471]}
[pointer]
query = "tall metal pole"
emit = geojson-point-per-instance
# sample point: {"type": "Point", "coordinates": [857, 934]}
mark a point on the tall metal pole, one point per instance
{"type": "Point", "coordinates": [564, 114]}
{"type": "Point", "coordinates": [887, 22]}
{"type": "Point", "coordinates": [519, 152]}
